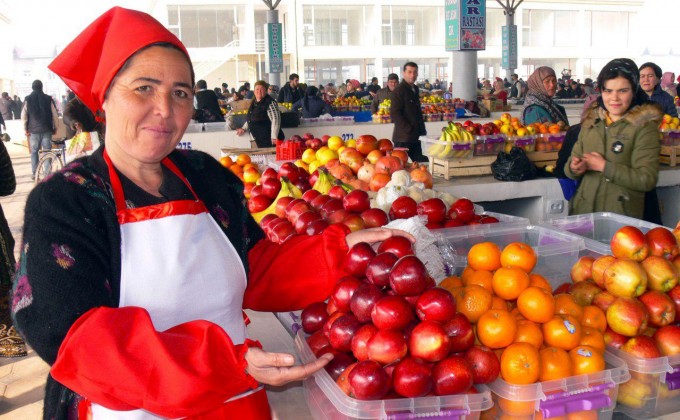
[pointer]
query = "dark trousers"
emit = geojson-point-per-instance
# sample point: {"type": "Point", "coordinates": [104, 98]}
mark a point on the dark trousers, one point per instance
{"type": "Point", "coordinates": [415, 151]}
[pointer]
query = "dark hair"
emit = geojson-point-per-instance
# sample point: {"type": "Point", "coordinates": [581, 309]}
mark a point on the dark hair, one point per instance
{"type": "Point", "coordinates": [393, 76]}
{"type": "Point", "coordinates": [626, 68]}
{"type": "Point", "coordinates": [375, 79]}
{"type": "Point", "coordinates": [218, 91]}
{"type": "Point", "coordinates": [224, 85]}
{"type": "Point", "coordinates": [657, 70]}
{"type": "Point", "coordinates": [201, 84]}
{"type": "Point", "coordinates": [37, 85]}
{"type": "Point", "coordinates": [76, 111]}
{"type": "Point", "coordinates": [514, 75]}
{"type": "Point", "coordinates": [410, 64]}
{"type": "Point", "coordinates": [293, 76]}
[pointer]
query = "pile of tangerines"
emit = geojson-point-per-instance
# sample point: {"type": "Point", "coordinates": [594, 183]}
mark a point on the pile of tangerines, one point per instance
{"type": "Point", "coordinates": [243, 167]}
{"type": "Point", "coordinates": [537, 336]}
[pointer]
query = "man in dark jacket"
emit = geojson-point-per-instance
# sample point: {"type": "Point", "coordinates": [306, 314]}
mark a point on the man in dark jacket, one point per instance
{"type": "Point", "coordinates": [290, 91]}
{"type": "Point", "coordinates": [6, 106]}
{"type": "Point", "coordinates": [40, 120]}
{"type": "Point", "coordinates": [515, 87]}
{"type": "Point", "coordinates": [407, 115]}
{"type": "Point", "coordinates": [207, 108]}
{"type": "Point", "coordinates": [384, 93]}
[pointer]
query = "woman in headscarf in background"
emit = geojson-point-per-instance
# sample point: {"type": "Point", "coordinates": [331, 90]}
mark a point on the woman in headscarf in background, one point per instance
{"type": "Point", "coordinates": [353, 90]}
{"type": "Point", "coordinates": [538, 103]}
{"type": "Point", "coordinates": [616, 156]}
{"type": "Point", "coordinates": [312, 105]}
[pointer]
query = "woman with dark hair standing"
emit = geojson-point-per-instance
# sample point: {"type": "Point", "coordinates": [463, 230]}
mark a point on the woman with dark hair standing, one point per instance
{"type": "Point", "coordinates": [650, 76]}
{"type": "Point", "coordinates": [616, 156]}
{"type": "Point", "coordinates": [312, 105]}
{"type": "Point", "coordinates": [264, 118]}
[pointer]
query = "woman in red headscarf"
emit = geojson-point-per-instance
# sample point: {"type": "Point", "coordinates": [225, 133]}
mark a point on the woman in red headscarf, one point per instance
{"type": "Point", "coordinates": [137, 261]}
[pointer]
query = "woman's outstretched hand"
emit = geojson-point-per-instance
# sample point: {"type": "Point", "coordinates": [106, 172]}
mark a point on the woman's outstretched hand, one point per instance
{"type": "Point", "coordinates": [375, 235]}
{"type": "Point", "coordinates": [279, 368]}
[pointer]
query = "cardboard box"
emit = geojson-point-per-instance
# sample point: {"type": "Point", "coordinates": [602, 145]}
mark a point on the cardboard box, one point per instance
{"type": "Point", "coordinates": [493, 105]}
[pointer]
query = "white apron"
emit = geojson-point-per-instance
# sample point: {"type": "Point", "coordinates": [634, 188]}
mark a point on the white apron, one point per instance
{"type": "Point", "coordinates": [176, 263]}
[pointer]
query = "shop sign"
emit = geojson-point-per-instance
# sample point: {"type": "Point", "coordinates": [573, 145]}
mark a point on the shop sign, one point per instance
{"type": "Point", "coordinates": [273, 48]}
{"type": "Point", "coordinates": [509, 49]}
{"type": "Point", "coordinates": [465, 22]}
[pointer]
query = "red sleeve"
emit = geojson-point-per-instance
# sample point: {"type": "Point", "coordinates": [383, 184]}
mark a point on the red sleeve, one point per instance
{"type": "Point", "coordinates": [302, 270]}
{"type": "Point", "coordinates": [115, 358]}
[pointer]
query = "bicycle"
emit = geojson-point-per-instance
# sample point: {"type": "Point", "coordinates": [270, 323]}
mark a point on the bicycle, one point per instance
{"type": "Point", "coordinates": [51, 160]}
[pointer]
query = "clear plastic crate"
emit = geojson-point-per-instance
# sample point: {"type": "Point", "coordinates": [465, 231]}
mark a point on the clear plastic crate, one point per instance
{"type": "Point", "coordinates": [557, 251]}
{"type": "Point", "coordinates": [505, 219]}
{"type": "Point", "coordinates": [597, 228]}
{"type": "Point", "coordinates": [526, 143]}
{"type": "Point", "coordinates": [216, 126]}
{"type": "Point", "coordinates": [489, 145]}
{"type": "Point", "coordinates": [561, 397]}
{"type": "Point", "coordinates": [327, 401]}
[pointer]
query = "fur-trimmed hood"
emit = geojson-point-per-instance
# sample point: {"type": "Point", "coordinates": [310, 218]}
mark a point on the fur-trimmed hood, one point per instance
{"type": "Point", "coordinates": [638, 116]}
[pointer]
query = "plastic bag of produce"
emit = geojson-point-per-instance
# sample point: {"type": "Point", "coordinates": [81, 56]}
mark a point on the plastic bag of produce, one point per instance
{"type": "Point", "coordinates": [513, 166]}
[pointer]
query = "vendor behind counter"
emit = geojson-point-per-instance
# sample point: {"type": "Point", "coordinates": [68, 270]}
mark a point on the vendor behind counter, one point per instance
{"type": "Point", "coordinates": [311, 105]}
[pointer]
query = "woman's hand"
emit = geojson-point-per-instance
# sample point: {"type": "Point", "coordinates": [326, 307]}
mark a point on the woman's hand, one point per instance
{"type": "Point", "coordinates": [594, 161]}
{"type": "Point", "coordinates": [375, 235]}
{"type": "Point", "coordinates": [279, 368]}
{"type": "Point", "coordinates": [240, 131]}
{"type": "Point", "coordinates": [577, 165]}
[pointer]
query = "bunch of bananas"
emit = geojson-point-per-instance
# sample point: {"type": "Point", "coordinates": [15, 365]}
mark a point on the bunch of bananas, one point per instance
{"type": "Point", "coordinates": [452, 135]}
{"type": "Point", "coordinates": [326, 181]}
{"type": "Point", "coordinates": [287, 190]}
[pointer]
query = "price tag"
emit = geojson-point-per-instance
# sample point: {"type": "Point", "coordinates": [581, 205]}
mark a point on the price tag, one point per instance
{"type": "Point", "coordinates": [347, 136]}
{"type": "Point", "coordinates": [184, 145]}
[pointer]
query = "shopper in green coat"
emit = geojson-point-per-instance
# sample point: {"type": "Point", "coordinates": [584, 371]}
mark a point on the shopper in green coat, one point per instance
{"type": "Point", "coordinates": [616, 156]}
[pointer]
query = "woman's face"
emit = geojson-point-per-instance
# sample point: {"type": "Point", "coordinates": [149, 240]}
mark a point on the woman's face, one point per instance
{"type": "Point", "coordinates": [617, 95]}
{"type": "Point", "coordinates": [648, 80]}
{"type": "Point", "coordinates": [149, 105]}
{"type": "Point", "coordinates": [260, 92]}
{"type": "Point", "coordinates": [350, 88]}
{"type": "Point", "coordinates": [550, 85]}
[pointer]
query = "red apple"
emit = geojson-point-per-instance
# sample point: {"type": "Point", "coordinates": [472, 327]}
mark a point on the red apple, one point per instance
{"type": "Point", "coordinates": [630, 243]}
{"type": "Point", "coordinates": [485, 364]}
{"type": "Point", "coordinates": [642, 346]}
{"type": "Point", "coordinates": [460, 332]}
{"type": "Point", "coordinates": [584, 292]}
{"type": "Point", "coordinates": [660, 307]}
{"type": "Point", "coordinates": [391, 312]}
{"type": "Point", "coordinates": [317, 227]}
{"type": "Point", "coordinates": [434, 209]}
{"type": "Point", "coordinates": [436, 304]}
{"type": "Point", "coordinates": [366, 143]}
{"type": "Point", "coordinates": [356, 201]}
{"type": "Point", "coordinates": [387, 346]}
{"type": "Point", "coordinates": [295, 208]}
{"type": "Point", "coordinates": [269, 173]}
{"type": "Point", "coordinates": [625, 278]}
{"type": "Point", "coordinates": [338, 365]}
{"type": "Point", "coordinates": [668, 340]}
{"type": "Point", "coordinates": [674, 294]}
{"type": "Point", "coordinates": [661, 273]}
{"type": "Point", "coordinates": [310, 195]}
{"type": "Point", "coordinates": [603, 300]}
{"type": "Point", "coordinates": [318, 342]}
{"type": "Point", "coordinates": [662, 243]}
{"type": "Point", "coordinates": [429, 341]}
{"type": "Point", "coordinates": [627, 316]}
{"type": "Point", "coordinates": [582, 270]}
{"type": "Point", "coordinates": [303, 184]}
{"type": "Point", "coordinates": [354, 222]}
{"type": "Point", "coordinates": [319, 201]}
{"type": "Point", "coordinates": [338, 216]}
{"type": "Point", "coordinates": [290, 171]}
{"type": "Point", "coordinates": [368, 381]}
{"type": "Point", "coordinates": [374, 218]}
{"type": "Point", "coordinates": [330, 207]}
{"type": "Point", "coordinates": [614, 339]}
{"type": "Point", "coordinates": [343, 291]}
{"type": "Point", "coordinates": [258, 203]}
{"type": "Point", "coordinates": [453, 223]}
{"type": "Point", "coordinates": [341, 332]}
{"type": "Point", "coordinates": [398, 245]}
{"type": "Point", "coordinates": [270, 187]}
{"type": "Point", "coordinates": [264, 222]}
{"type": "Point", "coordinates": [409, 276]}
{"type": "Point", "coordinates": [462, 210]}
{"type": "Point", "coordinates": [305, 220]}
{"type": "Point", "coordinates": [361, 339]}
{"type": "Point", "coordinates": [313, 317]}
{"type": "Point", "coordinates": [282, 231]}
{"type": "Point", "coordinates": [363, 300]}
{"type": "Point", "coordinates": [281, 205]}
{"type": "Point", "coordinates": [358, 258]}
{"type": "Point", "coordinates": [452, 375]}
{"type": "Point", "coordinates": [378, 270]}
{"type": "Point", "coordinates": [403, 207]}
{"type": "Point", "coordinates": [487, 220]}
{"type": "Point", "coordinates": [412, 378]}
{"type": "Point", "coordinates": [599, 267]}
{"type": "Point", "coordinates": [337, 191]}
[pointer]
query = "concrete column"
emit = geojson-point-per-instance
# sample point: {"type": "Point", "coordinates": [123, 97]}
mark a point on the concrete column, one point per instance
{"type": "Point", "coordinates": [465, 75]}
{"type": "Point", "coordinates": [509, 21]}
{"type": "Point", "coordinates": [379, 70]}
{"type": "Point", "coordinates": [273, 17]}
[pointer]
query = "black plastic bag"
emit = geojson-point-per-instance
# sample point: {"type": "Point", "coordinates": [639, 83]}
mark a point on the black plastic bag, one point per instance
{"type": "Point", "coordinates": [513, 166]}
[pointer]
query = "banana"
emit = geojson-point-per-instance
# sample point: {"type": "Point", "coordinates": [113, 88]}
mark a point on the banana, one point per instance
{"type": "Point", "coordinates": [295, 191]}
{"type": "Point", "coordinates": [344, 186]}
{"type": "Point", "coordinates": [447, 150]}
{"type": "Point", "coordinates": [323, 183]}
{"type": "Point", "coordinates": [284, 192]}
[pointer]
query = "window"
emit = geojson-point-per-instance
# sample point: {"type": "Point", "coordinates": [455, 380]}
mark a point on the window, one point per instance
{"type": "Point", "coordinates": [495, 20]}
{"type": "Point", "coordinates": [608, 27]}
{"type": "Point", "coordinates": [411, 26]}
{"type": "Point", "coordinates": [567, 28]}
{"type": "Point", "coordinates": [538, 28]}
{"type": "Point", "coordinates": [332, 25]}
{"type": "Point", "coordinates": [206, 26]}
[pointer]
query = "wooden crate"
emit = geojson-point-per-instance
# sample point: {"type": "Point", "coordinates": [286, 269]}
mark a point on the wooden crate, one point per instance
{"type": "Point", "coordinates": [670, 155]}
{"type": "Point", "coordinates": [481, 165]}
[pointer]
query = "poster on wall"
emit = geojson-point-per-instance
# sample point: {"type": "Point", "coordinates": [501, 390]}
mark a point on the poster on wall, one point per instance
{"type": "Point", "coordinates": [465, 22]}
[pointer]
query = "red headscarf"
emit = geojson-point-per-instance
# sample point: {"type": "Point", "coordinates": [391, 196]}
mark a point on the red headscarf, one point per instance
{"type": "Point", "coordinates": [91, 61]}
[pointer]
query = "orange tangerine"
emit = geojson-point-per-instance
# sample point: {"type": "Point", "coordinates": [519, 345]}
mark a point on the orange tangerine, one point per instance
{"type": "Point", "coordinates": [594, 317]}
{"type": "Point", "coordinates": [481, 278]}
{"type": "Point", "coordinates": [496, 328]}
{"type": "Point", "coordinates": [536, 304]}
{"type": "Point", "coordinates": [555, 364]}
{"type": "Point", "coordinates": [593, 338]}
{"type": "Point", "coordinates": [529, 332]}
{"type": "Point", "coordinates": [563, 331]}
{"type": "Point", "coordinates": [484, 256]}
{"type": "Point", "coordinates": [472, 301]}
{"type": "Point", "coordinates": [243, 158]}
{"type": "Point", "coordinates": [585, 360]}
{"type": "Point", "coordinates": [565, 304]}
{"type": "Point", "coordinates": [540, 281]}
{"type": "Point", "coordinates": [520, 364]}
{"type": "Point", "coordinates": [520, 255]}
{"type": "Point", "coordinates": [510, 282]}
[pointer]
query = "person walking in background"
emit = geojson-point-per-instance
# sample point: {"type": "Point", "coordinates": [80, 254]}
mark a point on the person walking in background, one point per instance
{"type": "Point", "coordinates": [538, 103]}
{"type": "Point", "coordinates": [18, 106]}
{"type": "Point", "coordinates": [40, 119]}
{"type": "Point", "coordinates": [384, 93]}
{"type": "Point", "coordinates": [668, 83]}
{"type": "Point", "coordinates": [290, 92]}
{"type": "Point", "coordinates": [11, 344]}
{"type": "Point", "coordinates": [406, 114]}
{"type": "Point", "coordinates": [206, 104]}
{"type": "Point", "coordinates": [6, 106]}
{"type": "Point", "coordinates": [650, 76]}
{"type": "Point", "coordinates": [616, 156]}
